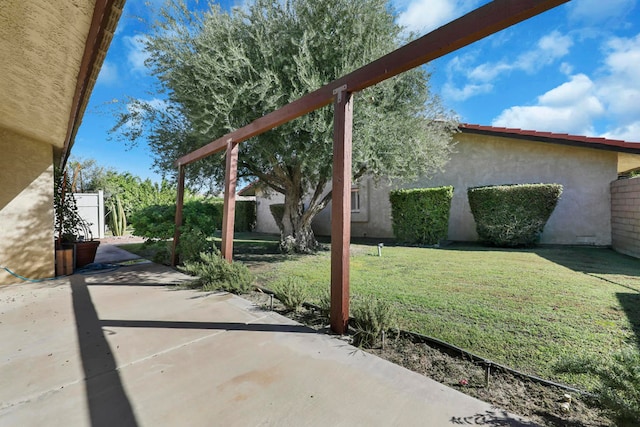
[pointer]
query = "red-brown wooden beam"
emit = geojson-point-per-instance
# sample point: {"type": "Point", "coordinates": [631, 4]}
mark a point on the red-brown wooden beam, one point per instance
{"type": "Point", "coordinates": [479, 23]}
{"type": "Point", "coordinates": [341, 210]}
{"type": "Point", "coordinates": [178, 224]}
{"type": "Point", "coordinates": [228, 214]}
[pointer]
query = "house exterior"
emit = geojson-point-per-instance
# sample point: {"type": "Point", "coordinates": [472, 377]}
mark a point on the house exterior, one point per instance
{"type": "Point", "coordinates": [50, 56]}
{"type": "Point", "coordinates": [486, 155]}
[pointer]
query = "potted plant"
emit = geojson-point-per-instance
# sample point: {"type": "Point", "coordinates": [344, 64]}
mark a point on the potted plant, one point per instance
{"type": "Point", "coordinates": [71, 231]}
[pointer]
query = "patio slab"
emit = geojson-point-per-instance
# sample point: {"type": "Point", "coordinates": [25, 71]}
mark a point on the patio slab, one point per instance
{"type": "Point", "coordinates": [128, 348]}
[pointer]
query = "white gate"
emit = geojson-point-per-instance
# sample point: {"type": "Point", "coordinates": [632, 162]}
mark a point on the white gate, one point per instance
{"type": "Point", "coordinates": [91, 209]}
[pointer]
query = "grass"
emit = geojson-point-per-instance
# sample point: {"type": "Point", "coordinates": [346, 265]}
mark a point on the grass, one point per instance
{"type": "Point", "coordinates": [525, 308]}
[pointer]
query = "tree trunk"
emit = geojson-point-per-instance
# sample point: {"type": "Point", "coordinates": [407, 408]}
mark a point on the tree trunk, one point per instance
{"type": "Point", "coordinates": [296, 235]}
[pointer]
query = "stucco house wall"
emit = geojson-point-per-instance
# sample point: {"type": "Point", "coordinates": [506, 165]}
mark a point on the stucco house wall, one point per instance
{"type": "Point", "coordinates": [583, 214]}
{"type": "Point", "coordinates": [26, 207]}
{"type": "Point", "coordinates": [51, 54]}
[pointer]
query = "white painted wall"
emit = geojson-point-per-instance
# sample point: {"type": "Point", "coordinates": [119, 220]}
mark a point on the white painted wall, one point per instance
{"type": "Point", "coordinates": [91, 209]}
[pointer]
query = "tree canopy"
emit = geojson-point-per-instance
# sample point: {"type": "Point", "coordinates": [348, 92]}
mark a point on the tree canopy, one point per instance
{"type": "Point", "coordinates": [221, 70]}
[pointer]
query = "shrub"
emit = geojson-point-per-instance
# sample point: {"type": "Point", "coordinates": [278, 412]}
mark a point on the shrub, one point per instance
{"type": "Point", "coordinates": [421, 215]}
{"type": "Point", "coordinates": [192, 243]}
{"type": "Point", "coordinates": [324, 303]}
{"type": "Point", "coordinates": [215, 273]}
{"type": "Point", "coordinates": [245, 218]}
{"type": "Point", "coordinates": [618, 391]}
{"type": "Point", "coordinates": [291, 293]}
{"type": "Point", "coordinates": [371, 317]}
{"type": "Point", "coordinates": [512, 215]}
{"type": "Point", "coordinates": [158, 221]}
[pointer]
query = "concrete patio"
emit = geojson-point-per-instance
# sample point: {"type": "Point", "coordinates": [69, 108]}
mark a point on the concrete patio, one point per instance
{"type": "Point", "coordinates": [127, 347]}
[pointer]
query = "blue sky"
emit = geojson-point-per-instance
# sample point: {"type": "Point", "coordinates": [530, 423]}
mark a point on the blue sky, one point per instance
{"type": "Point", "coordinates": [574, 69]}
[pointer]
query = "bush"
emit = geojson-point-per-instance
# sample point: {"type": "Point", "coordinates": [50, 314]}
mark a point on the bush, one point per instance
{"type": "Point", "coordinates": [192, 243]}
{"type": "Point", "coordinates": [158, 221]}
{"type": "Point", "coordinates": [618, 392]}
{"type": "Point", "coordinates": [215, 273]}
{"type": "Point", "coordinates": [421, 215]}
{"type": "Point", "coordinates": [512, 215]}
{"type": "Point", "coordinates": [245, 218]}
{"type": "Point", "coordinates": [291, 293]}
{"type": "Point", "coordinates": [372, 317]}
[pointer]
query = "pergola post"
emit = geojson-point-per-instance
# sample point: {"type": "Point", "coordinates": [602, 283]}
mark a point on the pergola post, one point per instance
{"type": "Point", "coordinates": [341, 210]}
{"type": "Point", "coordinates": [228, 214]}
{"type": "Point", "coordinates": [179, 207]}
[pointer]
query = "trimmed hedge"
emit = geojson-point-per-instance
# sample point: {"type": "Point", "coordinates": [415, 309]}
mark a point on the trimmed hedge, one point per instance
{"type": "Point", "coordinates": [157, 221]}
{"type": "Point", "coordinates": [421, 215]}
{"type": "Point", "coordinates": [512, 215]}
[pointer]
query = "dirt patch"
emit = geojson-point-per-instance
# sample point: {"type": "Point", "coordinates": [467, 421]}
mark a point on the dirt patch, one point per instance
{"type": "Point", "coordinates": [544, 405]}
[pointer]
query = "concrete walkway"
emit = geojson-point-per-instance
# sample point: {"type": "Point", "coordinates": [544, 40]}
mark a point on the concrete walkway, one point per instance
{"type": "Point", "coordinates": [127, 348]}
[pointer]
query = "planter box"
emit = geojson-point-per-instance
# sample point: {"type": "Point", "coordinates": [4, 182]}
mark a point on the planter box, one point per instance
{"type": "Point", "coordinates": [86, 252]}
{"type": "Point", "coordinates": [64, 262]}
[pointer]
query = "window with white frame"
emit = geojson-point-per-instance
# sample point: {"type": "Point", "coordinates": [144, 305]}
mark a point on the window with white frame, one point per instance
{"type": "Point", "coordinates": [355, 199]}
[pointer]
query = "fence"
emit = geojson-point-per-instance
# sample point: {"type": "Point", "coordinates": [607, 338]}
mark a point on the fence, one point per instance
{"type": "Point", "coordinates": [625, 216]}
{"type": "Point", "coordinates": [91, 209]}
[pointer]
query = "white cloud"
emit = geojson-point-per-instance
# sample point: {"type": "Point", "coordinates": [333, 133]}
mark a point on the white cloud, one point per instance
{"type": "Point", "coordinates": [566, 68]}
{"type": "Point", "coordinates": [479, 79]}
{"type": "Point", "coordinates": [137, 54]}
{"type": "Point", "coordinates": [422, 16]}
{"type": "Point", "coordinates": [598, 11]}
{"type": "Point", "coordinates": [574, 106]}
{"type": "Point", "coordinates": [630, 132]}
{"type": "Point", "coordinates": [570, 107]}
{"type": "Point", "coordinates": [451, 92]}
{"type": "Point", "coordinates": [108, 73]}
{"type": "Point", "coordinates": [548, 49]}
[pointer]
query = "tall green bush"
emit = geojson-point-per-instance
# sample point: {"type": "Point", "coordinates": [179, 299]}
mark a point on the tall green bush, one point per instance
{"type": "Point", "coordinates": [157, 221]}
{"type": "Point", "coordinates": [512, 215]}
{"type": "Point", "coordinates": [421, 215]}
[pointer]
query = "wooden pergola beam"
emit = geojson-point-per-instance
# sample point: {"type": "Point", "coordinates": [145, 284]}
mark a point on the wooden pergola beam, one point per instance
{"type": "Point", "coordinates": [475, 25]}
{"type": "Point", "coordinates": [341, 210]}
{"type": "Point", "coordinates": [472, 27]}
{"type": "Point", "coordinates": [228, 214]}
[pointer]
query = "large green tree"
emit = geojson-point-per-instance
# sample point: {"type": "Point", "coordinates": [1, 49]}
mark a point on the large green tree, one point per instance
{"type": "Point", "coordinates": [221, 70]}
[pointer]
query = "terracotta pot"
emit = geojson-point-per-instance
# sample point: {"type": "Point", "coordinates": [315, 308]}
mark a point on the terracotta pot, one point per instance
{"type": "Point", "coordinates": [86, 252]}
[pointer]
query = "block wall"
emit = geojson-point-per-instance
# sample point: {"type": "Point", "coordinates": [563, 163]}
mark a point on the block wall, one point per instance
{"type": "Point", "coordinates": [625, 216]}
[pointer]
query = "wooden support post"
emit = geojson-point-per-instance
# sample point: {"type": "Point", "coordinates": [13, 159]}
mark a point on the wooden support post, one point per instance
{"type": "Point", "coordinates": [228, 215]}
{"type": "Point", "coordinates": [179, 206]}
{"type": "Point", "coordinates": [341, 210]}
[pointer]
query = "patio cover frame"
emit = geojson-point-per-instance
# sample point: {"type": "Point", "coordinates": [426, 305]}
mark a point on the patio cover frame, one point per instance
{"type": "Point", "coordinates": [475, 25]}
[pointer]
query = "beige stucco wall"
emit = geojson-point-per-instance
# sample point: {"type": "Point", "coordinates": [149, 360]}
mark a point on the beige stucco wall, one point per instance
{"type": "Point", "coordinates": [26, 207]}
{"type": "Point", "coordinates": [581, 217]}
{"type": "Point", "coordinates": [583, 212]}
{"type": "Point", "coordinates": [41, 46]}
{"type": "Point", "coordinates": [627, 162]}
{"type": "Point", "coordinates": [625, 216]}
{"type": "Point", "coordinates": [264, 220]}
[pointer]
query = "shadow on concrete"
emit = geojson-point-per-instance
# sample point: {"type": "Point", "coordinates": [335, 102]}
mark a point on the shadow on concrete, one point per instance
{"type": "Point", "coordinates": [631, 305]}
{"type": "Point", "coordinates": [223, 326]}
{"type": "Point", "coordinates": [107, 400]}
{"type": "Point", "coordinates": [491, 418]}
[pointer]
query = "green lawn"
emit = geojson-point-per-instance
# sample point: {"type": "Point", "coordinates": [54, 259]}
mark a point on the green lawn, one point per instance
{"type": "Point", "coordinates": [523, 308]}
